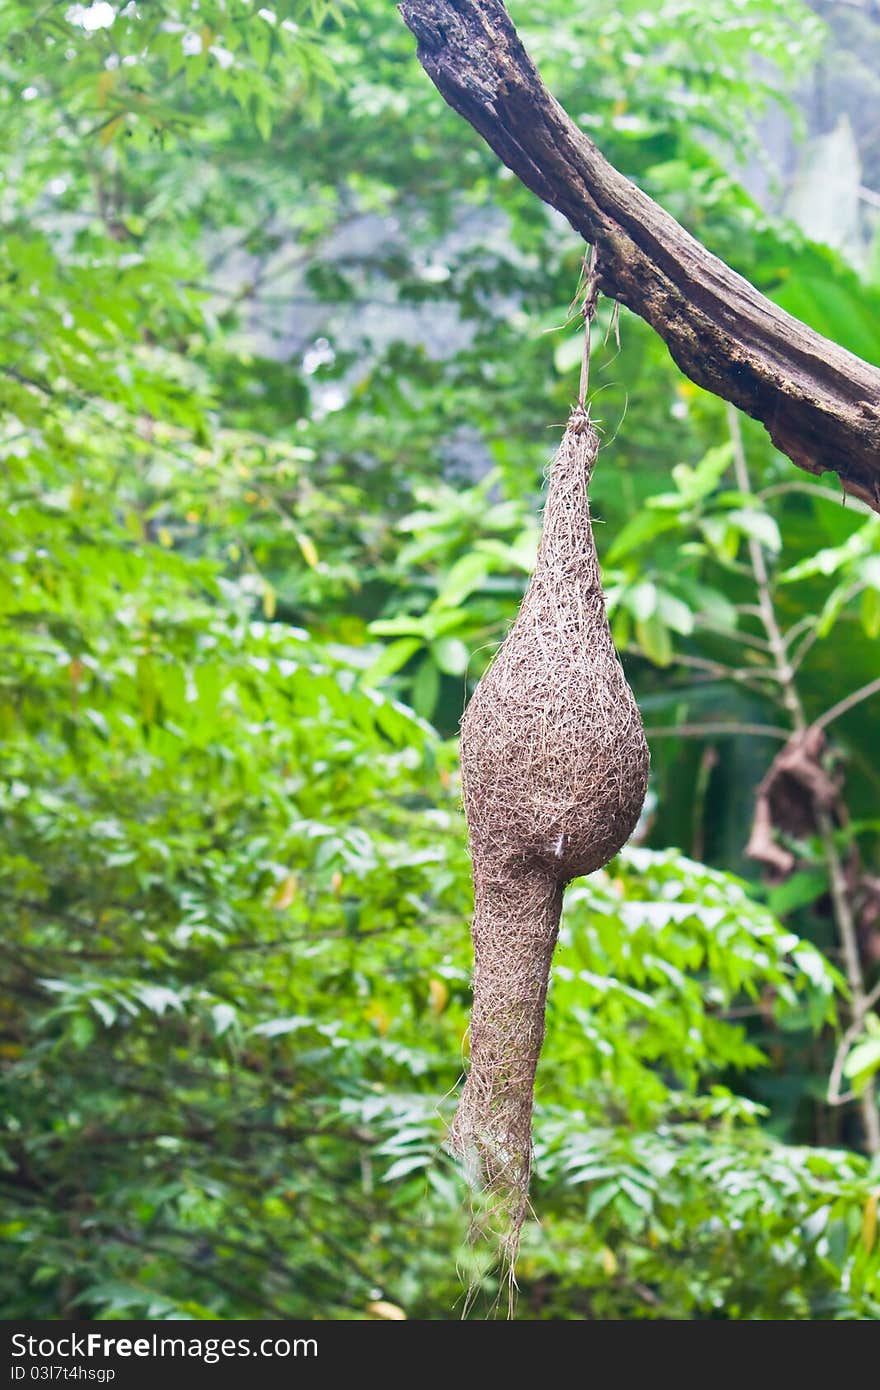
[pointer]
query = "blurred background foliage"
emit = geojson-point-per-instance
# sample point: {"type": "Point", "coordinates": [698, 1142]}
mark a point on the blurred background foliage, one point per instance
{"type": "Point", "coordinates": [285, 354]}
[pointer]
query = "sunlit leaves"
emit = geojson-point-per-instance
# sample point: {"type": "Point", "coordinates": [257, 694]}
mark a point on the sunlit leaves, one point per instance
{"type": "Point", "coordinates": [283, 369]}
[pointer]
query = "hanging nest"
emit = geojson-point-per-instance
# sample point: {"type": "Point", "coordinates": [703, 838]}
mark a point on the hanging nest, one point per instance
{"type": "Point", "coordinates": [554, 766]}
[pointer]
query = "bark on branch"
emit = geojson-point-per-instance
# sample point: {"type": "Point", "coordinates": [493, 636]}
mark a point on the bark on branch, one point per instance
{"type": "Point", "coordinates": [819, 403]}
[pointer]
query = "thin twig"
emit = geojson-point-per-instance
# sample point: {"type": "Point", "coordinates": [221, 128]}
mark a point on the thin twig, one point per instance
{"type": "Point", "coordinates": [733, 634]}
{"type": "Point", "coordinates": [834, 1095]}
{"type": "Point", "coordinates": [719, 730]}
{"type": "Point", "coordinates": [722, 672]}
{"type": "Point", "coordinates": [797, 658]}
{"type": "Point", "coordinates": [843, 913]}
{"type": "Point", "coordinates": [863, 693]}
{"type": "Point", "coordinates": [826, 494]}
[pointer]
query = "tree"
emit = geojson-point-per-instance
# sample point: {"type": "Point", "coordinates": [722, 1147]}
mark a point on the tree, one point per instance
{"type": "Point", "coordinates": [274, 426]}
{"type": "Point", "coordinates": [820, 403]}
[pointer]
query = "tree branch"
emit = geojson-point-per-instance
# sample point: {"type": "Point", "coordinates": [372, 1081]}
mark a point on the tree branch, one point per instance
{"type": "Point", "coordinates": [863, 693]}
{"type": "Point", "coordinates": [803, 753]}
{"type": "Point", "coordinates": [819, 403]}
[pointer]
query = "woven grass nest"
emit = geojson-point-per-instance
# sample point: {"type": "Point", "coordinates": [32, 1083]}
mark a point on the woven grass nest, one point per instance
{"type": "Point", "coordinates": [554, 767]}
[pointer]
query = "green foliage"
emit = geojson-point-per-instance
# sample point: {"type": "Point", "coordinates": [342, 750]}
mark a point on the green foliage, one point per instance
{"type": "Point", "coordinates": [283, 359]}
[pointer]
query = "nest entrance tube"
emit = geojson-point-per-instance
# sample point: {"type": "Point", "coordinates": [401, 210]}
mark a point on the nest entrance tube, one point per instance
{"type": "Point", "coordinates": [554, 769]}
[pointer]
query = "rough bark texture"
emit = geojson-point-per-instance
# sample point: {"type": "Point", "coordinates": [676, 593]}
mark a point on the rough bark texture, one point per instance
{"type": "Point", "coordinates": [819, 403]}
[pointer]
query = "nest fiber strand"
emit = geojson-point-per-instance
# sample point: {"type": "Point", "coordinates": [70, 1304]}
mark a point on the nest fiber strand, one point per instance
{"type": "Point", "coordinates": [554, 766]}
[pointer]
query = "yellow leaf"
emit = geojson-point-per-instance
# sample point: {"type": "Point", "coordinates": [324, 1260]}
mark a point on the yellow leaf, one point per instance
{"type": "Point", "coordinates": [389, 1311]}
{"type": "Point", "coordinates": [438, 996]}
{"type": "Point", "coordinates": [869, 1221]}
{"type": "Point", "coordinates": [336, 884]}
{"type": "Point", "coordinates": [609, 1261]}
{"type": "Point", "coordinates": [285, 892]}
{"type": "Point", "coordinates": [307, 546]}
{"type": "Point", "coordinates": [107, 132]}
{"type": "Point", "coordinates": [380, 1018]}
{"type": "Point", "coordinates": [270, 601]}
{"type": "Point", "coordinates": [106, 83]}
{"type": "Point", "coordinates": [165, 537]}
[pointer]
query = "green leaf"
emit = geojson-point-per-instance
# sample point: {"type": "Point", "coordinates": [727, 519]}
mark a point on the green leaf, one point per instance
{"type": "Point", "coordinates": [675, 613]}
{"type": "Point", "coordinates": [390, 660]}
{"type": "Point", "coordinates": [644, 526]}
{"type": "Point", "coordinates": [82, 1031]}
{"type": "Point", "coordinates": [425, 689]}
{"type": "Point", "coordinates": [797, 891]}
{"type": "Point", "coordinates": [641, 600]}
{"type": "Point", "coordinates": [721, 536]}
{"type": "Point", "coordinates": [451, 655]}
{"type": "Point", "coordinates": [277, 1027]}
{"type": "Point", "coordinates": [652, 635]}
{"type": "Point", "coordinates": [695, 484]}
{"type": "Point", "coordinates": [411, 1163]}
{"type": "Point", "coordinates": [870, 612]}
{"type": "Point", "coordinates": [830, 559]}
{"type": "Point", "coordinates": [759, 526]}
{"type": "Point", "coordinates": [391, 627]}
{"type": "Point", "coordinates": [466, 574]}
{"type": "Point", "coordinates": [863, 1061]}
{"type": "Point", "coordinates": [568, 352]}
